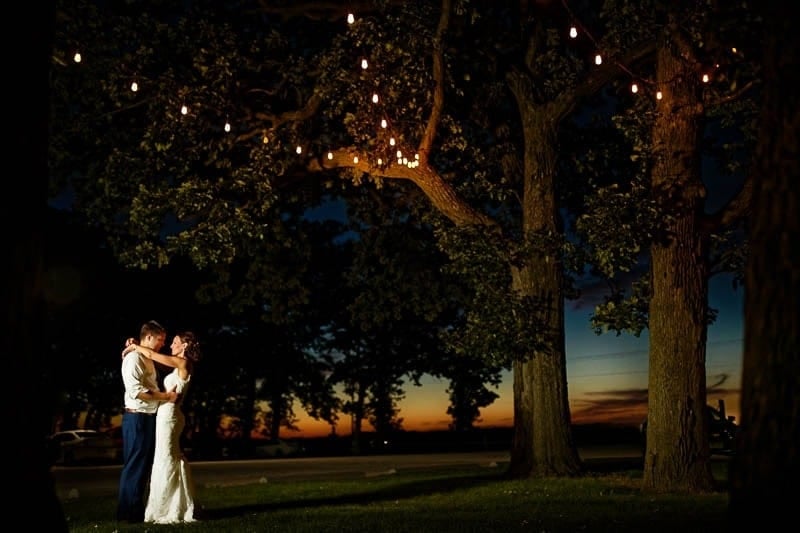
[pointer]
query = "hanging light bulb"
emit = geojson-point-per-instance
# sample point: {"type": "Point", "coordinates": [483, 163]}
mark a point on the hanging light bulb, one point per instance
{"type": "Point", "coordinates": [380, 161]}
{"type": "Point", "coordinates": [227, 126]}
{"type": "Point", "coordinates": [184, 110]}
{"type": "Point", "coordinates": [375, 98]}
{"type": "Point", "coordinates": [77, 57]}
{"type": "Point", "coordinates": [355, 160]}
{"type": "Point", "coordinates": [598, 60]}
{"type": "Point", "coordinates": [573, 32]}
{"type": "Point", "coordinates": [383, 123]}
{"type": "Point", "coordinates": [350, 18]}
{"type": "Point", "coordinates": [364, 64]}
{"type": "Point", "coordinates": [391, 141]}
{"type": "Point", "coordinates": [299, 149]}
{"type": "Point", "coordinates": [330, 155]}
{"type": "Point", "coordinates": [265, 139]}
{"type": "Point", "coordinates": [399, 154]}
{"type": "Point", "coordinates": [659, 95]}
{"type": "Point", "coordinates": [705, 78]}
{"type": "Point", "coordinates": [135, 87]}
{"type": "Point", "coordinates": [634, 88]}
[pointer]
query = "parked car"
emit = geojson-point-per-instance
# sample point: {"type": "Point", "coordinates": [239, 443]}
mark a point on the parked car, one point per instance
{"type": "Point", "coordinates": [723, 430]}
{"type": "Point", "coordinates": [82, 446]}
{"type": "Point", "coordinates": [277, 448]}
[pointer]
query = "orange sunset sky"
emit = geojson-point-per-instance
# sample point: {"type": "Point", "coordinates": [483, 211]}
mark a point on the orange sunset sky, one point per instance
{"type": "Point", "coordinates": [607, 375]}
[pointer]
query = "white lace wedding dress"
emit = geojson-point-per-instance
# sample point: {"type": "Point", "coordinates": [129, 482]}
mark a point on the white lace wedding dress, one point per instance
{"type": "Point", "coordinates": [171, 498]}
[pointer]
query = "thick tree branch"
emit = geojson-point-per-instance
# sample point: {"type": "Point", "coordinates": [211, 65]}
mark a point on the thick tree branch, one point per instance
{"type": "Point", "coordinates": [272, 122]}
{"type": "Point", "coordinates": [731, 97]}
{"type": "Point", "coordinates": [600, 76]}
{"type": "Point", "coordinates": [438, 90]}
{"type": "Point", "coordinates": [737, 208]}
{"type": "Point", "coordinates": [441, 194]}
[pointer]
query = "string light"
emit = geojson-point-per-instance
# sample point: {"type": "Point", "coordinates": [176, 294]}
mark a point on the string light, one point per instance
{"type": "Point", "coordinates": [634, 88]}
{"type": "Point", "coordinates": [391, 141]}
{"type": "Point", "coordinates": [364, 64]}
{"type": "Point", "coordinates": [659, 95]}
{"type": "Point", "coordinates": [264, 138]}
{"type": "Point", "coordinates": [383, 124]}
{"type": "Point", "coordinates": [135, 87]}
{"type": "Point", "coordinates": [705, 78]}
{"type": "Point", "coordinates": [350, 18]}
{"type": "Point", "coordinates": [299, 149]}
{"type": "Point", "coordinates": [184, 110]}
{"type": "Point", "coordinates": [598, 60]}
{"type": "Point", "coordinates": [375, 98]}
{"type": "Point", "coordinates": [77, 57]}
{"type": "Point", "coordinates": [227, 126]}
{"type": "Point", "coordinates": [355, 160]}
{"type": "Point", "coordinates": [330, 155]}
{"type": "Point", "coordinates": [573, 32]}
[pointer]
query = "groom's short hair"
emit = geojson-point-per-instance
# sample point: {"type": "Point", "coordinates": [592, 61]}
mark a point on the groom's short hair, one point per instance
{"type": "Point", "coordinates": [151, 327]}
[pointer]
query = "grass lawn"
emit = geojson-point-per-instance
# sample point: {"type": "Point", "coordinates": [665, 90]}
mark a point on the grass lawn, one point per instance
{"type": "Point", "coordinates": [475, 499]}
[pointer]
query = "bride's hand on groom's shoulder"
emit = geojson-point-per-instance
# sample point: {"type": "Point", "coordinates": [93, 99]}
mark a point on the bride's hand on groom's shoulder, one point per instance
{"type": "Point", "coordinates": [130, 345]}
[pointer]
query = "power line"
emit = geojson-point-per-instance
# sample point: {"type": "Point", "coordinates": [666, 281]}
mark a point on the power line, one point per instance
{"type": "Point", "coordinates": [610, 355]}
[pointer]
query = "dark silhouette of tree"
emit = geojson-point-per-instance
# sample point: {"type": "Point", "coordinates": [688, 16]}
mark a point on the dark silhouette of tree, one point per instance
{"type": "Point", "coordinates": [24, 213]}
{"type": "Point", "coordinates": [767, 461]}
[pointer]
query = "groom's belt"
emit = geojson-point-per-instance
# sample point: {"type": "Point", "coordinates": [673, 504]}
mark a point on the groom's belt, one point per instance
{"type": "Point", "coordinates": [134, 411]}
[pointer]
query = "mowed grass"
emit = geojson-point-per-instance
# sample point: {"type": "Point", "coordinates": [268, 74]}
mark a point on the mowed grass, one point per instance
{"type": "Point", "coordinates": [475, 499]}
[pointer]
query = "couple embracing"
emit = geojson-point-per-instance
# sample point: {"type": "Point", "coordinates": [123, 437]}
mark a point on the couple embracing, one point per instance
{"type": "Point", "coordinates": [152, 425]}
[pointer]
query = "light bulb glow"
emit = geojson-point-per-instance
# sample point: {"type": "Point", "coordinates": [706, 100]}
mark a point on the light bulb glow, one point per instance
{"type": "Point", "coordinates": [383, 123]}
{"type": "Point", "coordinates": [380, 161]}
{"type": "Point", "coordinates": [598, 60]}
{"type": "Point", "coordinates": [227, 126]}
{"type": "Point", "coordinates": [391, 141]}
{"type": "Point", "coordinates": [135, 87]}
{"type": "Point", "coordinates": [350, 18]}
{"type": "Point", "coordinates": [573, 32]}
{"type": "Point", "coordinates": [299, 149]}
{"type": "Point", "coordinates": [634, 88]}
{"type": "Point", "coordinates": [659, 95]}
{"type": "Point", "coordinates": [77, 57]}
{"type": "Point", "coordinates": [399, 154]}
{"type": "Point", "coordinates": [364, 64]}
{"type": "Point", "coordinates": [375, 98]}
{"type": "Point", "coordinates": [705, 78]}
{"type": "Point", "coordinates": [184, 110]}
{"type": "Point", "coordinates": [330, 155]}
{"type": "Point", "coordinates": [355, 160]}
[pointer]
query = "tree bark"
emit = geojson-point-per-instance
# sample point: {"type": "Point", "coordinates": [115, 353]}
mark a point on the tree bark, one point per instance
{"type": "Point", "coordinates": [542, 444]}
{"type": "Point", "coordinates": [677, 457]}
{"type": "Point", "coordinates": [766, 467]}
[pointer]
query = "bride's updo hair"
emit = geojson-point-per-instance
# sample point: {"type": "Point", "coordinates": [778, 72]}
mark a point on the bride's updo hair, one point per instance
{"type": "Point", "coordinates": [192, 350]}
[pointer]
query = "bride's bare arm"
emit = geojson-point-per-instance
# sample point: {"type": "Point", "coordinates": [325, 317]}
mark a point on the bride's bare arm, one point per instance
{"type": "Point", "coordinates": [167, 360]}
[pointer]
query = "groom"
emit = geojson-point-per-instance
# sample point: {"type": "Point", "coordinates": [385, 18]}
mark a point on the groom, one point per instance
{"type": "Point", "coordinates": [142, 398]}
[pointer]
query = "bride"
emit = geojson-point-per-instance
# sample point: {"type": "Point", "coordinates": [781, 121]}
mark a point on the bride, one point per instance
{"type": "Point", "coordinates": [171, 498]}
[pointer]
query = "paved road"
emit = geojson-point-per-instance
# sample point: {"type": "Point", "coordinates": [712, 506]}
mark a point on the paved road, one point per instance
{"type": "Point", "coordinates": [82, 481]}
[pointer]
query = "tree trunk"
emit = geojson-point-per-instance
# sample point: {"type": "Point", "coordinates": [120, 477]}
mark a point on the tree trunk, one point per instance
{"type": "Point", "coordinates": [542, 443]}
{"type": "Point", "coordinates": [678, 455]}
{"type": "Point", "coordinates": [766, 467]}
